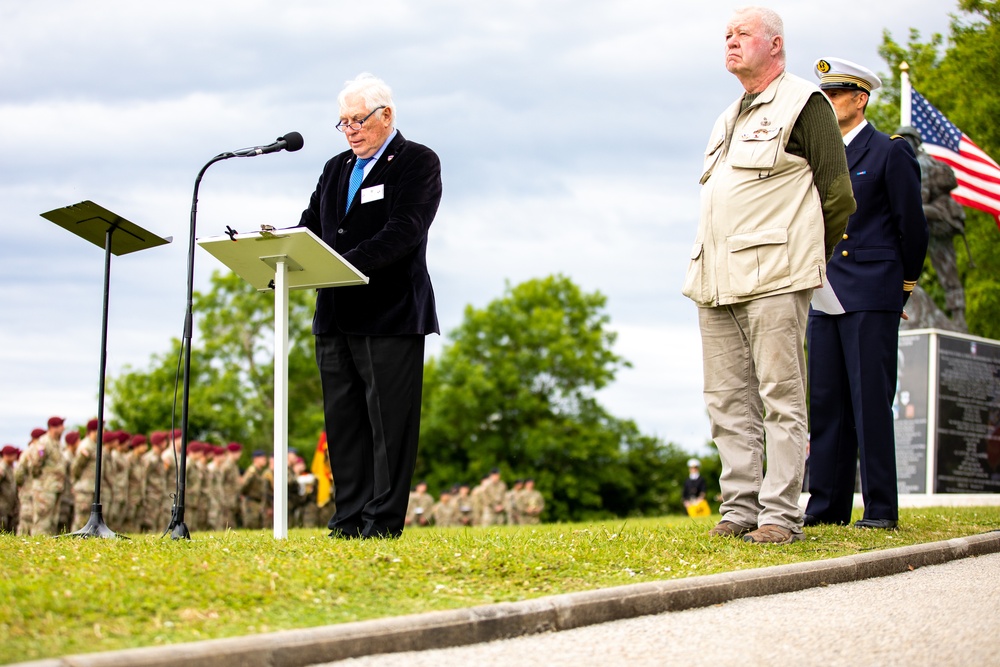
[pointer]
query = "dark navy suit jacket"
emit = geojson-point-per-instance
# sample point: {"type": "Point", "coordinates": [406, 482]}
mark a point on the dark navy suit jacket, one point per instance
{"type": "Point", "coordinates": [886, 237]}
{"type": "Point", "coordinates": [386, 239]}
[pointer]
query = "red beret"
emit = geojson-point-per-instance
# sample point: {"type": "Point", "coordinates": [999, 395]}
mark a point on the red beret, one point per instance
{"type": "Point", "coordinates": [9, 450]}
{"type": "Point", "coordinates": [137, 440]}
{"type": "Point", "coordinates": [55, 421]}
{"type": "Point", "coordinates": [234, 447]}
{"type": "Point", "coordinates": [158, 437]}
{"type": "Point", "coordinates": [72, 437]}
{"type": "Point", "coordinates": [92, 425]}
{"type": "Point", "coordinates": [37, 433]}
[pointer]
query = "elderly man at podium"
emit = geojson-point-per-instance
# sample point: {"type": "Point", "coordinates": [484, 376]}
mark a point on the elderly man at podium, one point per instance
{"type": "Point", "coordinates": [374, 205]}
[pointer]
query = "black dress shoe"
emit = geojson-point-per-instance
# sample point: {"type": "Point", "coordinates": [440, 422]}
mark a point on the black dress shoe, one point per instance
{"type": "Point", "coordinates": [881, 524]}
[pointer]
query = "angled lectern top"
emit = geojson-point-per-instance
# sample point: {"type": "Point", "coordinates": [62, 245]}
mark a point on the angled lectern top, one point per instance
{"type": "Point", "coordinates": [93, 223]}
{"type": "Point", "coordinates": [309, 262]}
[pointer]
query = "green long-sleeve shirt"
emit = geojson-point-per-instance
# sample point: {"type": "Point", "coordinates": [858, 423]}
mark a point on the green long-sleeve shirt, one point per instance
{"type": "Point", "coordinates": [816, 137]}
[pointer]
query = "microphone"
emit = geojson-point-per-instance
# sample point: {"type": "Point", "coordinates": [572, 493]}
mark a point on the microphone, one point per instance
{"type": "Point", "coordinates": [291, 142]}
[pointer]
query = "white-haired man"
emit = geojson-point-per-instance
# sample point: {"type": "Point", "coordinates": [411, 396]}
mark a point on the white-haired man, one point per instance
{"type": "Point", "coordinates": [776, 196]}
{"type": "Point", "coordinates": [374, 205]}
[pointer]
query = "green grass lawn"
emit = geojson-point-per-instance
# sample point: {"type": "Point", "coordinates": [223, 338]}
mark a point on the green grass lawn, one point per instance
{"type": "Point", "coordinates": [65, 596]}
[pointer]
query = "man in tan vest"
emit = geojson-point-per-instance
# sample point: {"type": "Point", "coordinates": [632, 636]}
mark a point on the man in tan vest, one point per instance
{"type": "Point", "coordinates": [776, 196]}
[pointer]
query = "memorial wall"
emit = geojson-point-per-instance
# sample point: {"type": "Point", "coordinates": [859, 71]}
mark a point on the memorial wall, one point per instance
{"type": "Point", "coordinates": [947, 413]}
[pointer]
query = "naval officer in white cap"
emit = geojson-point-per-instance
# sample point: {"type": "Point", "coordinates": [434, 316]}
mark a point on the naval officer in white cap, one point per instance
{"type": "Point", "coordinates": [853, 325]}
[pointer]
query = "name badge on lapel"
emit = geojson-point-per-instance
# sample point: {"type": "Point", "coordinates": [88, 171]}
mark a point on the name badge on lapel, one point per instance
{"type": "Point", "coordinates": [374, 193]}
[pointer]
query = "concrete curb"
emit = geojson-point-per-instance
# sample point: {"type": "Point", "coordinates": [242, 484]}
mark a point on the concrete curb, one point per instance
{"type": "Point", "coordinates": [435, 630]}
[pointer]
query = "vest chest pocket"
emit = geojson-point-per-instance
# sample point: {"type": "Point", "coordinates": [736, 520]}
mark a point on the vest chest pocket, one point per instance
{"type": "Point", "coordinates": [755, 150]}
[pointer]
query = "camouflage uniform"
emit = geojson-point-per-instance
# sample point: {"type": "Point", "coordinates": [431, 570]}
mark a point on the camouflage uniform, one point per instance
{"type": "Point", "coordinates": [170, 481]}
{"type": "Point", "coordinates": [445, 511]}
{"type": "Point", "coordinates": [477, 502]}
{"type": "Point", "coordinates": [253, 490]}
{"type": "Point", "coordinates": [510, 503]}
{"type": "Point", "coordinates": [193, 481]}
{"type": "Point", "coordinates": [25, 497]}
{"type": "Point", "coordinates": [45, 464]}
{"type": "Point", "coordinates": [418, 509]}
{"type": "Point", "coordinates": [108, 482]}
{"type": "Point", "coordinates": [153, 515]}
{"type": "Point", "coordinates": [269, 498]}
{"type": "Point", "coordinates": [205, 495]}
{"type": "Point", "coordinates": [463, 501]}
{"type": "Point", "coordinates": [229, 493]}
{"type": "Point", "coordinates": [8, 498]}
{"type": "Point", "coordinates": [136, 492]}
{"type": "Point", "coordinates": [117, 503]}
{"type": "Point", "coordinates": [530, 505]}
{"type": "Point", "coordinates": [83, 474]}
{"type": "Point", "coordinates": [303, 511]}
{"type": "Point", "coordinates": [494, 491]}
{"type": "Point", "coordinates": [66, 511]}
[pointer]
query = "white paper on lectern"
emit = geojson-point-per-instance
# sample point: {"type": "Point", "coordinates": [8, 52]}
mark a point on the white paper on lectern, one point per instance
{"type": "Point", "coordinates": [311, 263]}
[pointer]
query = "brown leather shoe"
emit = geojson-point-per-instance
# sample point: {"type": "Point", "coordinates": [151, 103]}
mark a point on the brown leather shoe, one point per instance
{"type": "Point", "coordinates": [771, 534]}
{"type": "Point", "coordinates": [729, 529]}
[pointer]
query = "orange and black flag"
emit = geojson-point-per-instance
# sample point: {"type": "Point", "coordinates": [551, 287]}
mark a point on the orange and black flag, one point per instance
{"type": "Point", "coordinates": [321, 468]}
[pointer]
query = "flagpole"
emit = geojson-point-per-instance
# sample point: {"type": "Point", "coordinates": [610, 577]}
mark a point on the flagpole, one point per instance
{"type": "Point", "coordinates": [904, 94]}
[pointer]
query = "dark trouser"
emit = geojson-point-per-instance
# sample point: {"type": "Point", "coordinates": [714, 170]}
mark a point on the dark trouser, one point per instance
{"type": "Point", "coordinates": [852, 382]}
{"type": "Point", "coordinates": [371, 399]}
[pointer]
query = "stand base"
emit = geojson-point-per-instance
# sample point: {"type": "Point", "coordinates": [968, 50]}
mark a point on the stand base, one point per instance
{"type": "Point", "coordinates": [178, 529]}
{"type": "Point", "coordinates": [95, 526]}
{"type": "Point", "coordinates": [180, 532]}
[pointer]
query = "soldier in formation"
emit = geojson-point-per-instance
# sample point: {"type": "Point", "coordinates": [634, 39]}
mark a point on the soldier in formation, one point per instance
{"type": "Point", "coordinates": [490, 503]}
{"type": "Point", "coordinates": [49, 488]}
{"type": "Point", "coordinates": [9, 505]}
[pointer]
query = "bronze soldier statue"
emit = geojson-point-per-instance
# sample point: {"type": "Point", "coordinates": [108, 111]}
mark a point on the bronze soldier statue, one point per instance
{"type": "Point", "coordinates": [946, 219]}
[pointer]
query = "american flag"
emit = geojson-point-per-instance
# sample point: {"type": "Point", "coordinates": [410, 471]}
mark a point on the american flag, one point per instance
{"type": "Point", "coordinates": [977, 173]}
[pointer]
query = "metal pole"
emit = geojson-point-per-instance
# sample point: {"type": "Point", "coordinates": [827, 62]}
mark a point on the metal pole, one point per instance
{"type": "Point", "coordinates": [280, 400]}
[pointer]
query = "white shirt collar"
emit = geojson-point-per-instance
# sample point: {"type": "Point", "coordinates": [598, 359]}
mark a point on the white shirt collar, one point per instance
{"type": "Point", "coordinates": [849, 137]}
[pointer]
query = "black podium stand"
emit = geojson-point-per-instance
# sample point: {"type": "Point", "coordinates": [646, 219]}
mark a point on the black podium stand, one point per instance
{"type": "Point", "coordinates": [117, 236]}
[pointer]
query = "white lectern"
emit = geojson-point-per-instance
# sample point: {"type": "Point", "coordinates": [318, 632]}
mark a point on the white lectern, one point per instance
{"type": "Point", "coordinates": [282, 260]}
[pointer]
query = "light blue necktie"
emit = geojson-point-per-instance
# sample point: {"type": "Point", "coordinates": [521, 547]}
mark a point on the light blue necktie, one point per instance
{"type": "Point", "coordinates": [357, 175]}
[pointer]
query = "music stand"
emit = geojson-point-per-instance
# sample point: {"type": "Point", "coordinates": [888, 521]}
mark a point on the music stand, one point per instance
{"type": "Point", "coordinates": [98, 225]}
{"type": "Point", "coordinates": [281, 260]}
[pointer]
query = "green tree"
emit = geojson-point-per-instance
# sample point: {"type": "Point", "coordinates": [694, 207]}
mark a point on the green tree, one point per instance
{"type": "Point", "coordinates": [964, 83]}
{"type": "Point", "coordinates": [515, 389]}
{"type": "Point", "coordinates": [232, 380]}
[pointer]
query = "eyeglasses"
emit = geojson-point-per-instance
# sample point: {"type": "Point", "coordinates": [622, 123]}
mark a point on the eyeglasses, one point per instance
{"type": "Point", "coordinates": [356, 125]}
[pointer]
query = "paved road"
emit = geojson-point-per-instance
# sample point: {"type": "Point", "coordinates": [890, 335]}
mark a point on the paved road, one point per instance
{"type": "Point", "coordinates": [936, 616]}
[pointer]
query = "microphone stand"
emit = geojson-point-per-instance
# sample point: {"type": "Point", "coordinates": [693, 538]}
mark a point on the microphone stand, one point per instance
{"type": "Point", "coordinates": [291, 142]}
{"type": "Point", "coordinates": [178, 529]}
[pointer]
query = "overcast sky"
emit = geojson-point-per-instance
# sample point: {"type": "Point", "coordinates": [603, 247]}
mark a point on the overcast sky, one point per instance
{"type": "Point", "coordinates": [570, 136]}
